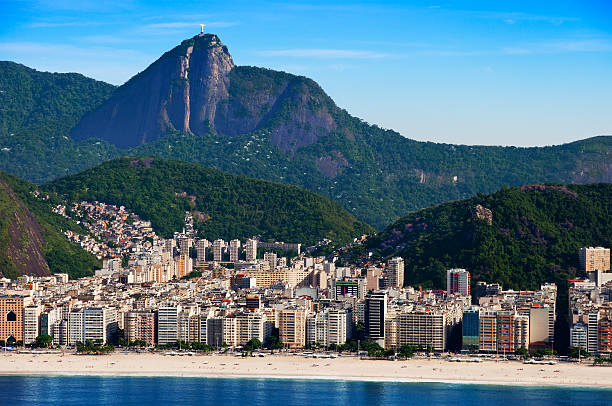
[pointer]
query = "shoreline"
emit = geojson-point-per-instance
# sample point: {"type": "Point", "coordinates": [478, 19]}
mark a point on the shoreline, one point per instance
{"type": "Point", "coordinates": [288, 367]}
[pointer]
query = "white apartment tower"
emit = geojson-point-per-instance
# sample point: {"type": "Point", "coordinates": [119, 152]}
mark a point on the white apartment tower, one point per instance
{"type": "Point", "coordinates": [251, 249]}
{"type": "Point", "coordinates": [234, 250]}
{"type": "Point", "coordinates": [396, 272]}
{"type": "Point", "coordinates": [201, 247]}
{"type": "Point", "coordinates": [218, 246]}
{"type": "Point", "coordinates": [271, 259]}
{"type": "Point", "coordinates": [458, 281]}
{"type": "Point", "coordinates": [167, 323]}
{"type": "Point", "coordinates": [31, 315]}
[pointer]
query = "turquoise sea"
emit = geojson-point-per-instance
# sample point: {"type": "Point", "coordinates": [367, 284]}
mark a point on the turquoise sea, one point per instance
{"type": "Point", "coordinates": [169, 391]}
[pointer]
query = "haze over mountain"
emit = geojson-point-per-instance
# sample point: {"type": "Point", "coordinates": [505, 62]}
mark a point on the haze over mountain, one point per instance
{"type": "Point", "coordinates": [195, 105]}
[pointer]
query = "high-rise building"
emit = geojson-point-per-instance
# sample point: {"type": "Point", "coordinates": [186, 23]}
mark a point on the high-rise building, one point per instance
{"type": "Point", "coordinates": [11, 317]}
{"type": "Point", "coordinates": [594, 258]}
{"type": "Point", "coordinates": [292, 327]}
{"type": "Point", "coordinates": [542, 324]}
{"type": "Point", "coordinates": [396, 272]}
{"type": "Point", "coordinates": [251, 249]}
{"type": "Point", "coordinates": [48, 319]}
{"type": "Point", "coordinates": [60, 332]}
{"type": "Point", "coordinates": [271, 258]}
{"type": "Point", "coordinates": [140, 325]}
{"type": "Point", "coordinates": [218, 246]}
{"type": "Point", "coordinates": [418, 328]}
{"type": "Point", "coordinates": [471, 316]}
{"type": "Point", "coordinates": [230, 330]}
{"type": "Point", "coordinates": [75, 327]}
{"type": "Point", "coordinates": [348, 287]}
{"type": "Point", "coordinates": [328, 327]}
{"type": "Point", "coordinates": [487, 332]}
{"type": "Point", "coordinates": [458, 281]}
{"type": "Point", "coordinates": [579, 336]}
{"type": "Point", "coordinates": [214, 331]}
{"type": "Point", "coordinates": [167, 323]}
{"type": "Point", "coordinates": [234, 250]}
{"type": "Point", "coordinates": [183, 266]}
{"type": "Point", "coordinates": [201, 247]}
{"type": "Point", "coordinates": [31, 315]}
{"type": "Point", "coordinates": [593, 331]}
{"type": "Point", "coordinates": [604, 336]}
{"type": "Point", "coordinates": [375, 314]}
{"type": "Point", "coordinates": [184, 244]}
{"type": "Point", "coordinates": [100, 324]}
{"type": "Point", "coordinates": [252, 325]}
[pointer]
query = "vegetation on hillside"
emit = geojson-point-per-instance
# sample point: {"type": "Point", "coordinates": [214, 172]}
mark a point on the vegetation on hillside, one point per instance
{"type": "Point", "coordinates": [37, 110]}
{"type": "Point", "coordinates": [533, 238]}
{"type": "Point", "coordinates": [224, 205]}
{"type": "Point", "coordinates": [60, 255]}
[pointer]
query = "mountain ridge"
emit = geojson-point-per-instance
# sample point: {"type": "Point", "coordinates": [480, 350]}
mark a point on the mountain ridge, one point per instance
{"type": "Point", "coordinates": [282, 127]}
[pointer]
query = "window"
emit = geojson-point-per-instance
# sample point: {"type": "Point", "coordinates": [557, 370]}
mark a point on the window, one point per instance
{"type": "Point", "coordinates": [11, 316]}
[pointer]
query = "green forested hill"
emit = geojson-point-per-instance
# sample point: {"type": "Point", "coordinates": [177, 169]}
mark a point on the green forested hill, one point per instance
{"type": "Point", "coordinates": [226, 206]}
{"type": "Point", "coordinates": [37, 110]}
{"type": "Point", "coordinates": [284, 128]}
{"type": "Point", "coordinates": [534, 235]}
{"type": "Point", "coordinates": [33, 99]}
{"type": "Point", "coordinates": [31, 235]}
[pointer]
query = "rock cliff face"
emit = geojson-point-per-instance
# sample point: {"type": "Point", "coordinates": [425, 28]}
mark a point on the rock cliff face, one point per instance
{"type": "Point", "coordinates": [180, 90]}
{"type": "Point", "coordinates": [196, 88]}
{"type": "Point", "coordinates": [22, 240]}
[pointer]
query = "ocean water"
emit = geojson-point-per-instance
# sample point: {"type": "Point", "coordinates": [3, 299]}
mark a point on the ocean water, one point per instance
{"type": "Point", "coordinates": [169, 391]}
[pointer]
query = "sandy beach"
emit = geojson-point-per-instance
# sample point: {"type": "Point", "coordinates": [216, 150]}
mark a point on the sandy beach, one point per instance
{"type": "Point", "coordinates": [285, 366]}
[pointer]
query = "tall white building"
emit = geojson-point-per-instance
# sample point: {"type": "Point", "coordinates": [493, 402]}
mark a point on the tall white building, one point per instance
{"type": "Point", "coordinates": [201, 247]}
{"type": "Point", "coordinates": [31, 316]}
{"type": "Point", "coordinates": [251, 249]}
{"type": "Point", "coordinates": [271, 258]}
{"type": "Point", "coordinates": [458, 281]}
{"type": "Point", "coordinates": [75, 327]}
{"type": "Point", "coordinates": [396, 272]}
{"type": "Point", "coordinates": [579, 336]}
{"type": "Point", "coordinates": [167, 323]}
{"type": "Point", "coordinates": [234, 250]}
{"type": "Point", "coordinates": [100, 324]}
{"type": "Point", "coordinates": [218, 246]}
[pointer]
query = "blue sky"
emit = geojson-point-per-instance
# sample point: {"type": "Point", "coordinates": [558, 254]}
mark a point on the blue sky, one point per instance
{"type": "Point", "coordinates": [469, 72]}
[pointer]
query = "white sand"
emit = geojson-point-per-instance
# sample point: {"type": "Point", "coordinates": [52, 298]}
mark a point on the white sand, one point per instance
{"type": "Point", "coordinates": [285, 366]}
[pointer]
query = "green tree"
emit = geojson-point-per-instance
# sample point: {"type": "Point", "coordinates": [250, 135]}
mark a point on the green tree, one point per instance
{"type": "Point", "coordinates": [44, 341]}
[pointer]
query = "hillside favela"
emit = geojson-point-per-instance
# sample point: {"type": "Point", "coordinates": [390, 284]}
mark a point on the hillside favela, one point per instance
{"type": "Point", "coordinates": [179, 226]}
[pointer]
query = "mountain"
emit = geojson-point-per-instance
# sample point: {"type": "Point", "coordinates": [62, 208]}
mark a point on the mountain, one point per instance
{"type": "Point", "coordinates": [31, 236]}
{"type": "Point", "coordinates": [224, 205]}
{"type": "Point", "coordinates": [519, 237]}
{"type": "Point", "coordinates": [37, 110]}
{"type": "Point", "coordinates": [195, 88]}
{"type": "Point", "coordinates": [193, 104]}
